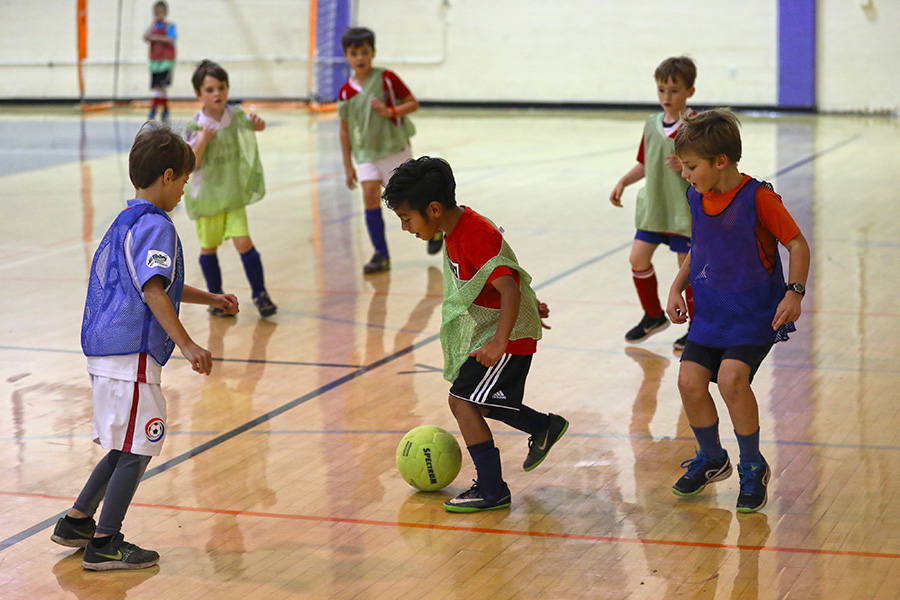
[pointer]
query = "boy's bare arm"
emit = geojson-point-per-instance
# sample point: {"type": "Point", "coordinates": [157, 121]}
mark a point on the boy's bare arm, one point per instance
{"type": "Point", "coordinates": [227, 302]}
{"type": "Point", "coordinates": [798, 270]}
{"type": "Point", "coordinates": [407, 105]}
{"type": "Point", "coordinates": [676, 307]}
{"type": "Point", "coordinates": [510, 296]}
{"type": "Point", "coordinates": [161, 307]}
{"type": "Point", "coordinates": [349, 171]}
{"type": "Point", "coordinates": [200, 142]}
{"type": "Point", "coordinates": [258, 123]}
{"type": "Point", "coordinates": [635, 174]}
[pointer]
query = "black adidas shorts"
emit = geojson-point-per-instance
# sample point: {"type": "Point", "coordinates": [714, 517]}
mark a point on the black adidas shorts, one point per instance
{"type": "Point", "coordinates": [712, 358]}
{"type": "Point", "coordinates": [502, 385]}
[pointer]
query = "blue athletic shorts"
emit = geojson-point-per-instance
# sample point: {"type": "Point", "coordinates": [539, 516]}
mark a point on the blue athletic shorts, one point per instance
{"type": "Point", "coordinates": [676, 243]}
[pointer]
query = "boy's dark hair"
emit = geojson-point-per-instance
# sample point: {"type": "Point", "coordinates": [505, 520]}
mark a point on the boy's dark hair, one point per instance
{"type": "Point", "coordinates": [354, 37]}
{"type": "Point", "coordinates": [709, 134]}
{"type": "Point", "coordinates": [419, 182]}
{"type": "Point", "coordinates": [157, 148]}
{"type": "Point", "coordinates": [208, 67]}
{"type": "Point", "coordinates": [161, 4]}
{"type": "Point", "coordinates": [677, 68]}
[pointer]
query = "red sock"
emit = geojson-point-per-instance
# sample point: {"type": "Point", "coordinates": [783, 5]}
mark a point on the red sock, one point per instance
{"type": "Point", "coordinates": [689, 300]}
{"type": "Point", "coordinates": [645, 282]}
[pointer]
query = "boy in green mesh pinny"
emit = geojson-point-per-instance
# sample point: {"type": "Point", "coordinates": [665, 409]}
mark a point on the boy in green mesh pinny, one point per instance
{"type": "Point", "coordinates": [491, 322]}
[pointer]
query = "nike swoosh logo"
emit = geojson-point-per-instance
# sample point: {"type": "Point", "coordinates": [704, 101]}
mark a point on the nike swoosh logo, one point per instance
{"type": "Point", "coordinates": [116, 556]}
{"type": "Point", "coordinates": [546, 441]}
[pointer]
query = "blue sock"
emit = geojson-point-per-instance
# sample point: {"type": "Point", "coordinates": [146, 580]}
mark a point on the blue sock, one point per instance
{"type": "Point", "coordinates": [486, 457]}
{"type": "Point", "coordinates": [749, 445]}
{"type": "Point", "coordinates": [375, 225]}
{"type": "Point", "coordinates": [209, 264]}
{"type": "Point", "coordinates": [254, 270]}
{"type": "Point", "coordinates": [708, 439]}
{"type": "Point", "coordinates": [525, 419]}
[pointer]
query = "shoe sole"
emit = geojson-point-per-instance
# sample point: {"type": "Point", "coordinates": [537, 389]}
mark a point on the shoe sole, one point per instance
{"type": "Point", "coordinates": [117, 565]}
{"type": "Point", "coordinates": [713, 479]}
{"type": "Point", "coordinates": [70, 542]}
{"type": "Point", "coordinates": [650, 333]}
{"type": "Point", "coordinates": [535, 465]}
{"type": "Point", "coordinates": [746, 509]}
{"type": "Point", "coordinates": [268, 313]}
{"type": "Point", "coordinates": [467, 509]}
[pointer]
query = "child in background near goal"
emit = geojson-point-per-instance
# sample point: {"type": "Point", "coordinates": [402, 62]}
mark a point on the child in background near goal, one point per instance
{"type": "Point", "coordinates": [373, 106]}
{"type": "Point", "coordinates": [161, 37]}
{"type": "Point", "coordinates": [662, 215]}
{"type": "Point", "coordinates": [491, 325]}
{"type": "Point", "coordinates": [129, 330]}
{"type": "Point", "coordinates": [229, 177]}
{"type": "Point", "coordinates": [742, 305]}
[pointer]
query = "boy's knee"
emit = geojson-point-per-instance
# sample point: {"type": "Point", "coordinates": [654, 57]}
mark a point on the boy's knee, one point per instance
{"type": "Point", "coordinates": [455, 404]}
{"type": "Point", "coordinates": [691, 384]}
{"type": "Point", "coordinates": [371, 194]}
{"type": "Point", "coordinates": [462, 408]}
{"type": "Point", "coordinates": [733, 382]}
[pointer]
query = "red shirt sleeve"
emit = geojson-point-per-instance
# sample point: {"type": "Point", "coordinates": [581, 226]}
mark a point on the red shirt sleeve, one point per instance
{"type": "Point", "coordinates": [395, 84]}
{"type": "Point", "coordinates": [640, 156]}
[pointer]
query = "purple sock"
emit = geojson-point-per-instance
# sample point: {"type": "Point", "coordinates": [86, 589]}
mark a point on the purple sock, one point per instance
{"type": "Point", "coordinates": [375, 225]}
{"type": "Point", "coordinates": [254, 270]}
{"type": "Point", "coordinates": [708, 439]}
{"type": "Point", "coordinates": [209, 264]}
{"type": "Point", "coordinates": [486, 457]}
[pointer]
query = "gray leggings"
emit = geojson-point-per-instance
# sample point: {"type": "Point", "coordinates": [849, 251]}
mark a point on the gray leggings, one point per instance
{"type": "Point", "coordinates": [115, 478]}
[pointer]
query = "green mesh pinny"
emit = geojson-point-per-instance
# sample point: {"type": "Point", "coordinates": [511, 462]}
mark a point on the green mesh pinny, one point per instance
{"type": "Point", "coordinates": [231, 175]}
{"type": "Point", "coordinates": [465, 326]}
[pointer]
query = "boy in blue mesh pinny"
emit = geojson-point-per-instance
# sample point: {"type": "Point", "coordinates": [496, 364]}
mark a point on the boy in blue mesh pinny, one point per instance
{"type": "Point", "coordinates": [129, 331]}
{"type": "Point", "coordinates": [742, 305]}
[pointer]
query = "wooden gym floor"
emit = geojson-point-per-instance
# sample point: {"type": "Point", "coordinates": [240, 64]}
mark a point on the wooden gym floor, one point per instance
{"type": "Point", "coordinates": [278, 480]}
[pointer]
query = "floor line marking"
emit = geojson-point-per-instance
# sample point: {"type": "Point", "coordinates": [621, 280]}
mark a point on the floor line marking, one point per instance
{"type": "Point", "coordinates": [573, 434]}
{"type": "Point", "coordinates": [491, 530]}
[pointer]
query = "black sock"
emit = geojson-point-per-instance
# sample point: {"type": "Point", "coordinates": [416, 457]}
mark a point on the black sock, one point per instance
{"type": "Point", "coordinates": [76, 522]}
{"type": "Point", "coordinates": [101, 541]}
{"type": "Point", "coordinates": [525, 419]}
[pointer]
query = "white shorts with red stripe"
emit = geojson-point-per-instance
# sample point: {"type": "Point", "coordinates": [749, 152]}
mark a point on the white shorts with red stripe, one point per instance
{"type": "Point", "coordinates": [382, 169]}
{"type": "Point", "coordinates": [128, 415]}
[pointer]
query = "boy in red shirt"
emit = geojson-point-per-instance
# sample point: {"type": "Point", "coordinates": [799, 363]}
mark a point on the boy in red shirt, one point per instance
{"type": "Point", "coordinates": [491, 324]}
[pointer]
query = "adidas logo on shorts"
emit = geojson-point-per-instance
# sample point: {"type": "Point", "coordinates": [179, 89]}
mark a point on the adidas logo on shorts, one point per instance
{"type": "Point", "coordinates": [499, 395]}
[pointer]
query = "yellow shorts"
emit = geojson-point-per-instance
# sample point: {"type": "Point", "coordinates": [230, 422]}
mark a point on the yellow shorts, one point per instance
{"type": "Point", "coordinates": [212, 231]}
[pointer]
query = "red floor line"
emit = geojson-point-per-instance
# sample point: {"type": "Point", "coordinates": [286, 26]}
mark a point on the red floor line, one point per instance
{"type": "Point", "coordinates": [542, 534]}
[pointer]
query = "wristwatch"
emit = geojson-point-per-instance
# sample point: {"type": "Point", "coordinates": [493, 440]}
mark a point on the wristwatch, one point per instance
{"type": "Point", "coordinates": [795, 287]}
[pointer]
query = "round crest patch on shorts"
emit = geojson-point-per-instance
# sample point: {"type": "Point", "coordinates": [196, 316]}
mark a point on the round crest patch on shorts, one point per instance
{"type": "Point", "coordinates": [156, 429]}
